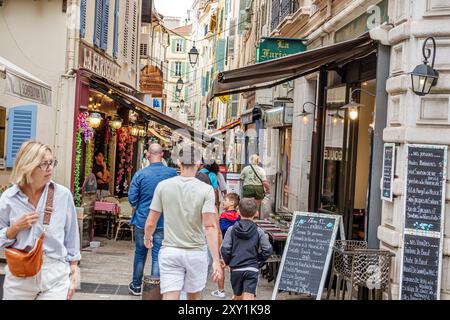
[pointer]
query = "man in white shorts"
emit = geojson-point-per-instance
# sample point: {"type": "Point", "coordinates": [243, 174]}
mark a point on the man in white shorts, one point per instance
{"type": "Point", "coordinates": [189, 215]}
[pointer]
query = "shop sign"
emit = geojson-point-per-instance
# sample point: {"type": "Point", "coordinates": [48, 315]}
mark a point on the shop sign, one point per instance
{"type": "Point", "coordinates": [308, 248]}
{"type": "Point", "coordinates": [273, 48]}
{"type": "Point", "coordinates": [23, 88]}
{"type": "Point", "coordinates": [98, 63]}
{"type": "Point", "coordinates": [333, 154]}
{"type": "Point", "coordinates": [423, 233]}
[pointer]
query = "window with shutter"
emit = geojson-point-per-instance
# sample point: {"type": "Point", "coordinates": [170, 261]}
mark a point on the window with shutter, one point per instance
{"type": "Point", "coordinates": [203, 86]}
{"type": "Point", "coordinates": [234, 105]}
{"type": "Point", "coordinates": [126, 31]}
{"type": "Point", "coordinates": [144, 49]}
{"type": "Point", "coordinates": [220, 55]}
{"type": "Point", "coordinates": [134, 33]}
{"type": "Point", "coordinates": [98, 22]}
{"type": "Point", "coordinates": [82, 18]}
{"type": "Point", "coordinates": [21, 128]}
{"type": "Point", "coordinates": [178, 69]}
{"type": "Point", "coordinates": [116, 29]}
{"type": "Point", "coordinates": [105, 25]}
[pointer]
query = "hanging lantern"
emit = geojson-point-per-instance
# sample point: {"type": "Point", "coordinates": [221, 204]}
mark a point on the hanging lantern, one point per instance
{"type": "Point", "coordinates": [193, 56]}
{"type": "Point", "coordinates": [116, 123]}
{"type": "Point", "coordinates": [142, 132]}
{"type": "Point", "coordinates": [135, 131]}
{"type": "Point", "coordinates": [179, 86]}
{"type": "Point", "coordinates": [94, 119]}
{"type": "Point", "coordinates": [424, 76]}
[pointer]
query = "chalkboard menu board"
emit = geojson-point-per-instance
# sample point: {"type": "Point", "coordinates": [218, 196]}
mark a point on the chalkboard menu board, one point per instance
{"type": "Point", "coordinates": [307, 253]}
{"type": "Point", "coordinates": [426, 174]}
{"type": "Point", "coordinates": [388, 171]}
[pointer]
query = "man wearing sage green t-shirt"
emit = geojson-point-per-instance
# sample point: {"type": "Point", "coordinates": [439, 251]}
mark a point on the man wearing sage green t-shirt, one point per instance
{"type": "Point", "coordinates": [189, 208]}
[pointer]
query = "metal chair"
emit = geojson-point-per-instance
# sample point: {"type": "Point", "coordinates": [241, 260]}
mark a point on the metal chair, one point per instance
{"type": "Point", "coordinates": [342, 263]}
{"type": "Point", "coordinates": [372, 269]}
{"type": "Point", "coordinates": [125, 214]}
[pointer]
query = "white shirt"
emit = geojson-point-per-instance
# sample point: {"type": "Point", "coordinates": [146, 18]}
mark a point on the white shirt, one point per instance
{"type": "Point", "coordinates": [62, 239]}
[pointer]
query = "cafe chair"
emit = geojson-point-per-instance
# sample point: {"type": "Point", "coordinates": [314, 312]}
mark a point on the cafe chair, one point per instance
{"type": "Point", "coordinates": [125, 214]}
{"type": "Point", "coordinates": [371, 269]}
{"type": "Point", "coordinates": [342, 264]}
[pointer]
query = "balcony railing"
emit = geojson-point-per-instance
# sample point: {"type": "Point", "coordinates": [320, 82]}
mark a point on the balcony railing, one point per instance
{"type": "Point", "coordinates": [281, 9]}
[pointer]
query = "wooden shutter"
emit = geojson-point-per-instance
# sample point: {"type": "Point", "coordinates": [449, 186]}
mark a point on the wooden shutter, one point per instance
{"type": "Point", "coordinates": [126, 30]}
{"type": "Point", "coordinates": [98, 22]}
{"type": "Point", "coordinates": [134, 33]}
{"type": "Point", "coordinates": [21, 128]}
{"type": "Point", "coordinates": [220, 55]}
{"type": "Point", "coordinates": [116, 29]}
{"type": "Point", "coordinates": [82, 18]}
{"type": "Point", "coordinates": [105, 25]}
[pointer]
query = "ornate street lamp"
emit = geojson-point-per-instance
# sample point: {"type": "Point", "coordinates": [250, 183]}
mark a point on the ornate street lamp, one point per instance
{"type": "Point", "coordinates": [116, 123]}
{"type": "Point", "coordinates": [193, 56]}
{"type": "Point", "coordinates": [424, 76]}
{"type": "Point", "coordinates": [179, 86]}
{"type": "Point", "coordinates": [353, 106]}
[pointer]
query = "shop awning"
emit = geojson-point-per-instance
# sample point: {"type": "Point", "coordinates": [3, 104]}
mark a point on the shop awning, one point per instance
{"type": "Point", "coordinates": [154, 115]}
{"type": "Point", "coordinates": [274, 72]}
{"type": "Point", "coordinates": [226, 127]}
{"type": "Point", "coordinates": [24, 85]}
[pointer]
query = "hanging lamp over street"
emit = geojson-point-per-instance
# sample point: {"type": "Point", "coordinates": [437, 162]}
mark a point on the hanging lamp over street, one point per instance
{"type": "Point", "coordinates": [424, 76]}
{"type": "Point", "coordinates": [180, 84]}
{"type": "Point", "coordinates": [193, 56]}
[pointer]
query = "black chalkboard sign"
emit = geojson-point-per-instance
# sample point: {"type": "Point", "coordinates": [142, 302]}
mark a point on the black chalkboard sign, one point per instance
{"type": "Point", "coordinates": [426, 174]}
{"type": "Point", "coordinates": [307, 253]}
{"type": "Point", "coordinates": [421, 274]}
{"type": "Point", "coordinates": [388, 171]}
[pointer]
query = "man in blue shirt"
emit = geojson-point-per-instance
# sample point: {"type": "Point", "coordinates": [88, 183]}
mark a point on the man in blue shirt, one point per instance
{"type": "Point", "coordinates": [140, 197]}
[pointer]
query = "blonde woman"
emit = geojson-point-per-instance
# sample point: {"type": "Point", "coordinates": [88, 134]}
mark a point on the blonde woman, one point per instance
{"type": "Point", "coordinates": [21, 224]}
{"type": "Point", "coordinates": [254, 179]}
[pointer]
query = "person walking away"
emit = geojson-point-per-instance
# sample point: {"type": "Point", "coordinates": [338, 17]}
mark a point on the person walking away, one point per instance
{"type": "Point", "coordinates": [212, 170]}
{"type": "Point", "coordinates": [189, 224]}
{"type": "Point", "coordinates": [140, 196]}
{"type": "Point", "coordinates": [227, 218]}
{"type": "Point", "coordinates": [22, 208]}
{"type": "Point", "coordinates": [102, 174]}
{"type": "Point", "coordinates": [244, 248]}
{"type": "Point", "coordinates": [255, 184]}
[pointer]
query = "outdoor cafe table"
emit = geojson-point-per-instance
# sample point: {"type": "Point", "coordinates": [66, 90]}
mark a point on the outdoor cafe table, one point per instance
{"type": "Point", "coordinates": [108, 211]}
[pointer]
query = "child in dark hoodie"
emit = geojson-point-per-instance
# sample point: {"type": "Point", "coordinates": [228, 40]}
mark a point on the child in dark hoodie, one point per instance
{"type": "Point", "coordinates": [244, 248]}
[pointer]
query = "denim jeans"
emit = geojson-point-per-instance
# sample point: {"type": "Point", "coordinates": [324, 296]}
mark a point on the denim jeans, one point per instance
{"type": "Point", "coordinates": [140, 254]}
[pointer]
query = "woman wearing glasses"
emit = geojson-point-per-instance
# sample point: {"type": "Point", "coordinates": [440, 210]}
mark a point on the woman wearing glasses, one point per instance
{"type": "Point", "coordinates": [21, 224]}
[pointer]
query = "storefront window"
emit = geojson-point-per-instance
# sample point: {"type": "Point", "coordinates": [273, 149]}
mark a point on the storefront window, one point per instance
{"type": "Point", "coordinates": [333, 149]}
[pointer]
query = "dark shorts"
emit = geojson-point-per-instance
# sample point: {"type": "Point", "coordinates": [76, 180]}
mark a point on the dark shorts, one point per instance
{"type": "Point", "coordinates": [244, 281]}
{"type": "Point", "coordinates": [256, 192]}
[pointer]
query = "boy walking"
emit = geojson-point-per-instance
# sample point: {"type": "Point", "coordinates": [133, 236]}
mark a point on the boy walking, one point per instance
{"type": "Point", "coordinates": [227, 218]}
{"type": "Point", "coordinates": [244, 248]}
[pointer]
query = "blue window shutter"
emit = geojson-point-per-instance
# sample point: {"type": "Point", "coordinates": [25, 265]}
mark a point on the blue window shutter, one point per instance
{"type": "Point", "coordinates": [82, 18]}
{"type": "Point", "coordinates": [203, 86]}
{"type": "Point", "coordinates": [220, 55]}
{"type": "Point", "coordinates": [98, 22]}
{"type": "Point", "coordinates": [105, 24]}
{"type": "Point", "coordinates": [116, 29]}
{"type": "Point", "coordinates": [21, 128]}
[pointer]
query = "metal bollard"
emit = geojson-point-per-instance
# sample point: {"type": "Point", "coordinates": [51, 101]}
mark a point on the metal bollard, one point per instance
{"type": "Point", "coordinates": [151, 289]}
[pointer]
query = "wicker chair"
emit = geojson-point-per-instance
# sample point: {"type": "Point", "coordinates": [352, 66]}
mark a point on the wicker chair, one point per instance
{"type": "Point", "coordinates": [125, 214]}
{"type": "Point", "coordinates": [342, 263]}
{"type": "Point", "coordinates": [372, 269]}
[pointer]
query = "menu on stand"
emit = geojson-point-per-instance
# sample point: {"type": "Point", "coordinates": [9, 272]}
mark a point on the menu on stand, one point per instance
{"type": "Point", "coordinates": [424, 218]}
{"type": "Point", "coordinates": [388, 171]}
{"type": "Point", "coordinates": [307, 254]}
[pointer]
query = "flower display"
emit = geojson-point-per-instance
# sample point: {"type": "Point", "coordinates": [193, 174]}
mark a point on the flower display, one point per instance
{"type": "Point", "coordinates": [125, 149]}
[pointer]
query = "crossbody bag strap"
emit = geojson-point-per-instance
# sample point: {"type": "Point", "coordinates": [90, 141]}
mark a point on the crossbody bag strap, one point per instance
{"type": "Point", "coordinates": [257, 175]}
{"type": "Point", "coordinates": [49, 204]}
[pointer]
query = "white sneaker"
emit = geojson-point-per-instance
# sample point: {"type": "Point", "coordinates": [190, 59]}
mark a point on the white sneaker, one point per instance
{"type": "Point", "coordinates": [218, 294]}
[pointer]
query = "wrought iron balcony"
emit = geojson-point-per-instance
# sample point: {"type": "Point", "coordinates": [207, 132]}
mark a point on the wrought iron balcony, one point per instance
{"type": "Point", "coordinates": [281, 9]}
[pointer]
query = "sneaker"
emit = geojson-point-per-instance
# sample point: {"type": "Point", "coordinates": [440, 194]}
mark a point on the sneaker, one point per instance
{"type": "Point", "coordinates": [133, 290]}
{"type": "Point", "coordinates": [218, 294]}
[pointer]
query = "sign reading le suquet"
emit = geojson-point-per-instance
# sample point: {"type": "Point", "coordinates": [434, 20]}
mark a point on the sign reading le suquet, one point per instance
{"type": "Point", "coordinates": [423, 234]}
{"type": "Point", "coordinates": [99, 64]}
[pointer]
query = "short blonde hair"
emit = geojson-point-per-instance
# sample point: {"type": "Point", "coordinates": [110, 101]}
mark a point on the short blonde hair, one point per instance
{"type": "Point", "coordinates": [254, 159]}
{"type": "Point", "coordinates": [28, 158]}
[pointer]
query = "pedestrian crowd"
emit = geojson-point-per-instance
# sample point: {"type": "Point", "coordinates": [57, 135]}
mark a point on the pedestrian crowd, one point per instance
{"type": "Point", "coordinates": [175, 216]}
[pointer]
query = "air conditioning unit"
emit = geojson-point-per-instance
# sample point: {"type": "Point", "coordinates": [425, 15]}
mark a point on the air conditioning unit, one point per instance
{"type": "Point", "coordinates": [280, 92]}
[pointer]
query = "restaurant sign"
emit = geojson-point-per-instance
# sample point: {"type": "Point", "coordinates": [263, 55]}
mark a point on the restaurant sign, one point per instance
{"type": "Point", "coordinates": [273, 48]}
{"type": "Point", "coordinates": [99, 64]}
{"type": "Point", "coordinates": [278, 117]}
